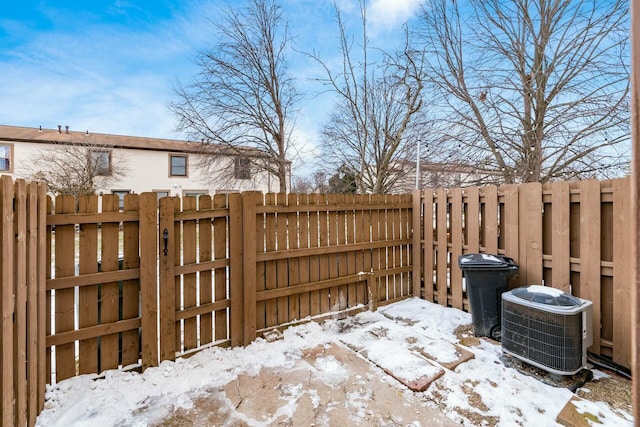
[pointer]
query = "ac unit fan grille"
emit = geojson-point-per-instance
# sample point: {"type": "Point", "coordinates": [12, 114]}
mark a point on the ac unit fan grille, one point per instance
{"type": "Point", "coordinates": [549, 339]}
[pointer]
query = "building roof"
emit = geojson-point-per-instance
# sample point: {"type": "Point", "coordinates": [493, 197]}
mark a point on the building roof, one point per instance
{"type": "Point", "coordinates": [63, 135]}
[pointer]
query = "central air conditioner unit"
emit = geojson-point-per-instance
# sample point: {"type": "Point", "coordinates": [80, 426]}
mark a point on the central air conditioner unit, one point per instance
{"type": "Point", "coordinates": [547, 328]}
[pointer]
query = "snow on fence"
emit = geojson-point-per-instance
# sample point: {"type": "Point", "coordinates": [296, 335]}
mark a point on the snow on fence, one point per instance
{"type": "Point", "coordinates": [94, 287]}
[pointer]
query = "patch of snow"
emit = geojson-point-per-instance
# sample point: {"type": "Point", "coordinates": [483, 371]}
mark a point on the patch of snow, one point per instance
{"type": "Point", "coordinates": [598, 374]}
{"type": "Point", "coordinates": [602, 415]}
{"type": "Point", "coordinates": [483, 385]}
{"type": "Point", "coordinates": [547, 290]}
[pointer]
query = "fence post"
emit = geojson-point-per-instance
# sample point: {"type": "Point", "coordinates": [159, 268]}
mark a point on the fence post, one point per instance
{"type": "Point", "coordinates": [236, 268]}
{"type": "Point", "coordinates": [417, 243]}
{"type": "Point", "coordinates": [6, 299]}
{"type": "Point", "coordinates": [148, 209]}
{"type": "Point", "coordinates": [250, 200]}
{"type": "Point", "coordinates": [168, 243]}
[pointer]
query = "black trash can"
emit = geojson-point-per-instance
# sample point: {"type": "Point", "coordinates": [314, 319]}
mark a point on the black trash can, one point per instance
{"type": "Point", "coordinates": [486, 276]}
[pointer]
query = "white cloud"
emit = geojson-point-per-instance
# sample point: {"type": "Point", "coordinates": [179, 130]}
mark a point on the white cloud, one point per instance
{"type": "Point", "coordinates": [387, 14]}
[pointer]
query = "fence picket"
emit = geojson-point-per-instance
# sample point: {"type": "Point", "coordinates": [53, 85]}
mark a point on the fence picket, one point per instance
{"type": "Point", "coordinates": [560, 241]}
{"type": "Point", "coordinates": [314, 260]}
{"type": "Point", "coordinates": [332, 260]}
{"type": "Point", "coordinates": [20, 292]}
{"type": "Point", "coordinates": [293, 242]}
{"type": "Point", "coordinates": [622, 274]}
{"type": "Point", "coordinates": [530, 244]}
{"type": "Point", "coordinates": [109, 292]}
{"type": "Point", "coordinates": [33, 294]}
{"type": "Point", "coordinates": [374, 256]}
{"type": "Point", "coordinates": [342, 301]}
{"type": "Point", "coordinates": [251, 246]}
{"type": "Point", "coordinates": [350, 258]}
{"type": "Point", "coordinates": [472, 220]}
{"type": "Point", "coordinates": [442, 267]}
{"type": "Point", "coordinates": [428, 257]}
{"type": "Point", "coordinates": [261, 268]}
{"type": "Point", "coordinates": [395, 252]}
{"type": "Point", "coordinates": [167, 295]}
{"type": "Point", "coordinates": [282, 269]}
{"type": "Point", "coordinates": [205, 277]}
{"type": "Point", "coordinates": [221, 243]}
{"type": "Point", "coordinates": [47, 300]}
{"type": "Point", "coordinates": [407, 249]}
{"type": "Point", "coordinates": [490, 221]}
{"type": "Point", "coordinates": [7, 301]}
{"type": "Point", "coordinates": [323, 231]}
{"type": "Point", "coordinates": [590, 264]}
{"type": "Point", "coordinates": [367, 226]}
{"type": "Point", "coordinates": [456, 247]}
{"type": "Point", "coordinates": [149, 254]}
{"type": "Point", "coordinates": [271, 271]}
{"type": "Point", "coordinates": [88, 295]}
{"type": "Point", "coordinates": [131, 288]}
{"type": "Point", "coordinates": [509, 226]}
{"type": "Point", "coordinates": [304, 262]}
{"type": "Point", "coordinates": [64, 308]}
{"type": "Point", "coordinates": [189, 252]}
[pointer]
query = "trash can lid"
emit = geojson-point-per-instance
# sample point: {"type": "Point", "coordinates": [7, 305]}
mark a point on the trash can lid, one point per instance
{"type": "Point", "coordinates": [547, 296]}
{"type": "Point", "coordinates": [486, 261]}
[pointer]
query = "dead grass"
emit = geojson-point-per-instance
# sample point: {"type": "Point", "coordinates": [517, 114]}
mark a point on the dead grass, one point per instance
{"type": "Point", "coordinates": [614, 390]}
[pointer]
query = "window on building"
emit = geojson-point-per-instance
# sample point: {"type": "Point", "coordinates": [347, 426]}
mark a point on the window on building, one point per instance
{"type": "Point", "coordinates": [6, 157]}
{"type": "Point", "coordinates": [177, 165]}
{"type": "Point", "coordinates": [101, 162]}
{"type": "Point", "coordinates": [121, 194]}
{"type": "Point", "coordinates": [242, 168]}
{"type": "Point", "coordinates": [196, 194]}
{"type": "Point", "coordinates": [161, 193]}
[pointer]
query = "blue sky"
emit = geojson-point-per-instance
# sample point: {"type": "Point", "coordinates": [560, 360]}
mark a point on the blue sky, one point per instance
{"type": "Point", "coordinates": [108, 66]}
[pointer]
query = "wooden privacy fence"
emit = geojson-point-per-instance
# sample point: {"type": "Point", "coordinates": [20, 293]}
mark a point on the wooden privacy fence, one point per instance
{"type": "Point", "coordinates": [571, 236]}
{"type": "Point", "coordinates": [236, 265]}
{"type": "Point", "coordinates": [88, 286]}
{"type": "Point", "coordinates": [229, 267]}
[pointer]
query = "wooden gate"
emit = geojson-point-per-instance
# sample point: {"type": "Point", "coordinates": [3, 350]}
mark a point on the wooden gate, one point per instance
{"type": "Point", "coordinates": [199, 285]}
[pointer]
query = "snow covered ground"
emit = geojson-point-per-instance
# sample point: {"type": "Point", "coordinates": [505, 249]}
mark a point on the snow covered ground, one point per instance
{"type": "Point", "coordinates": [412, 339]}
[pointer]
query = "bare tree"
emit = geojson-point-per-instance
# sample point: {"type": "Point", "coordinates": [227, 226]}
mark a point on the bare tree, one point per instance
{"type": "Point", "coordinates": [243, 95]}
{"type": "Point", "coordinates": [77, 168]}
{"type": "Point", "coordinates": [532, 90]}
{"type": "Point", "coordinates": [374, 122]}
{"type": "Point", "coordinates": [301, 185]}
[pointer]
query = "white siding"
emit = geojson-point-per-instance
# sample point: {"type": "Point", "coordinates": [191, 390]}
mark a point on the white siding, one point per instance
{"type": "Point", "coordinates": [148, 170]}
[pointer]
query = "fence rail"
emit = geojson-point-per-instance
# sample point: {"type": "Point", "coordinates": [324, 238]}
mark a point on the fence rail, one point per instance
{"type": "Point", "coordinates": [87, 286]}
